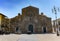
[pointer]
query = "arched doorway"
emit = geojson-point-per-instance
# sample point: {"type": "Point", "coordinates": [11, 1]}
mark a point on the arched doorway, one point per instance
{"type": "Point", "coordinates": [44, 29]}
{"type": "Point", "coordinates": [17, 29]}
{"type": "Point", "coordinates": [30, 28]}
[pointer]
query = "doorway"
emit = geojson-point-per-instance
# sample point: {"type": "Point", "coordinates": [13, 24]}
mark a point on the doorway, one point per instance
{"type": "Point", "coordinates": [44, 29]}
{"type": "Point", "coordinates": [30, 28]}
{"type": "Point", "coordinates": [17, 29]}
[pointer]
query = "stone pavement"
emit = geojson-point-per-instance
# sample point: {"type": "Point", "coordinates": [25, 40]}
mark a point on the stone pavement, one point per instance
{"type": "Point", "coordinates": [31, 37]}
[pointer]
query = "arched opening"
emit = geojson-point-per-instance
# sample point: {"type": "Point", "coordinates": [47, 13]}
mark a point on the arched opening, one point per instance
{"type": "Point", "coordinates": [17, 29]}
{"type": "Point", "coordinates": [30, 28]}
{"type": "Point", "coordinates": [44, 29]}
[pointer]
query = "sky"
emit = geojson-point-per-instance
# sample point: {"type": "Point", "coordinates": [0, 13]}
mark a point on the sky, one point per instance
{"type": "Point", "coordinates": [11, 8]}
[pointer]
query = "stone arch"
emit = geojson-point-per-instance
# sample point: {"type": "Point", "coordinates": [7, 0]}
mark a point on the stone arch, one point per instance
{"type": "Point", "coordinates": [44, 29]}
{"type": "Point", "coordinates": [30, 28]}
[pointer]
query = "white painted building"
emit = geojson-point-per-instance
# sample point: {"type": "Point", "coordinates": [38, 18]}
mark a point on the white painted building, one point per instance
{"type": "Point", "coordinates": [58, 25]}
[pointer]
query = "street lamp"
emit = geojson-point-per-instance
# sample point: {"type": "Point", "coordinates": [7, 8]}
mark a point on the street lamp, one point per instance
{"type": "Point", "coordinates": [55, 10]}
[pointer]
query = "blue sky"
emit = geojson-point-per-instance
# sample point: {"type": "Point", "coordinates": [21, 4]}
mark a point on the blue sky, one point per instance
{"type": "Point", "coordinates": [11, 8]}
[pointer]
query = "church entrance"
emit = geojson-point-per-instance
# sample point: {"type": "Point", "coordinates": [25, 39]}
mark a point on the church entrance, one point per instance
{"type": "Point", "coordinates": [30, 28]}
{"type": "Point", "coordinates": [17, 29]}
{"type": "Point", "coordinates": [44, 29]}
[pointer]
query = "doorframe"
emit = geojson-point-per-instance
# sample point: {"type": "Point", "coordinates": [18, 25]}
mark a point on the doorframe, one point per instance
{"type": "Point", "coordinates": [43, 29]}
{"type": "Point", "coordinates": [32, 27]}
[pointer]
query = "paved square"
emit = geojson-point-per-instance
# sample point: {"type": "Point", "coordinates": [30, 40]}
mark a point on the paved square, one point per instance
{"type": "Point", "coordinates": [30, 37]}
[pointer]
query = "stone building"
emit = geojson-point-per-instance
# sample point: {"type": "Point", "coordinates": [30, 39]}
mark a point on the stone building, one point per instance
{"type": "Point", "coordinates": [30, 21]}
{"type": "Point", "coordinates": [3, 22]}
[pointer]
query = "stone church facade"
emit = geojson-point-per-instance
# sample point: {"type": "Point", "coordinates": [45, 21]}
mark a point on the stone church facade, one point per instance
{"type": "Point", "coordinates": [30, 21]}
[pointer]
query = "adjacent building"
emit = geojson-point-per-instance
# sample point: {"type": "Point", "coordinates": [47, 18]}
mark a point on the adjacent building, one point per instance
{"type": "Point", "coordinates": [3, 22]}
{"type": "Point", "coordinates": [56, 26]}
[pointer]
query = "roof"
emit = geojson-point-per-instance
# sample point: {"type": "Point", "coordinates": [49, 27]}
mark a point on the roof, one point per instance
{"type": "Point", "coordinates": [2, 14]}
{"type": "Point", "coordinates": [42, 14]}
{"type": "Point", "coordinates": [31, 7]}
{"type": "Point", "coordinates": [57, 19]}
